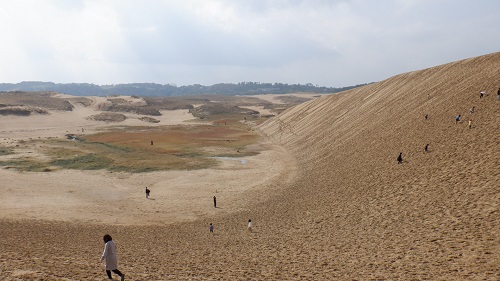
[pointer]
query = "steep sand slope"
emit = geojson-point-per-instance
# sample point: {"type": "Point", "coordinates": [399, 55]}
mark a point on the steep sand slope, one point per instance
{"type": "Point", "coordinates": [435, 215]}
{"type": "Point", "coordinates": [352, 214]}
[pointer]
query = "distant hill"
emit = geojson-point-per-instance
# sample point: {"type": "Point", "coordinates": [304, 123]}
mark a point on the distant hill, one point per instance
{"type": "Point", "coordinates": [153, 89]}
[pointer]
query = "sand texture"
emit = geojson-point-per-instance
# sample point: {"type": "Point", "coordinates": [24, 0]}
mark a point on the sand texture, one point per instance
{"type": "Point", "coordinates": [327, 198]}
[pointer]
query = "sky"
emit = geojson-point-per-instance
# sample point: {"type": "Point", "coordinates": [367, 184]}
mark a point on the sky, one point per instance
{"type": "Point", "coordinates": [332, 43]}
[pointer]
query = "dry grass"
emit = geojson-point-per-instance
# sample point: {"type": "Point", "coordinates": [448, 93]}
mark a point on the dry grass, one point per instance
{"type": "Point", "coordinates": [45, 100]}
{"type": "Point", "coordinates": [130, 149]}
{"type": "Point", "coordinates": [108, 117]}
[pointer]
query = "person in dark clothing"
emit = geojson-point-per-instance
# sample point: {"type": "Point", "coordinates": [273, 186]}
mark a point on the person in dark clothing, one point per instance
{"type": "Point", "coordinates": [426, 149]}
{"type": "Point", "coordinates": [215, 202]}
{"type": "Point", "coordinates": [147, 192]}
{"type": "Point", "coordinates": [211, 227]}
{"type": "Point", "coordinates": [400, 158]}
{"type": "Point", "coordinates": [457, 118]}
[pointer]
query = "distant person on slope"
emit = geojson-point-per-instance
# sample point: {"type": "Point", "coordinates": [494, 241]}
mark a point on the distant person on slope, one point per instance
{"type": "Point", "coordinates": [147, 192]}
{"type": "Point", "coordinates": [498, 94]}
{"type": "Point", "coordinates": [400, 158]}
{"type": "Point", "coordinates": [457, 119]}
{"type": "Point", "coordinates": [249, 226]}
{"type": "Point", "coordinates": [109, 255]}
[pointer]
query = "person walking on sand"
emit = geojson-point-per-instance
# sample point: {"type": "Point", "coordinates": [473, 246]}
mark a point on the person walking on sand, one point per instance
{"type": "Point", "coordinates": [215, 202]}
{"type": "Point", "coordinates": [498, 94]}
{"type": "Point", "coordinates": [249, 226]}
{"type": "Point", "coordinates": [457, 119]}
{"type": "Point", "coordinates": [470, 123]}
{"type": "Point", "coordinates": [109, 255]}
{"type": "Point", "coordinates": [400, 158]}
{"type": "Point", "coordinates": [426, 149]}
{"type": "Point", "coordinates": [211, 228]}
{"type": "Point", "coordinates": [147, 192]}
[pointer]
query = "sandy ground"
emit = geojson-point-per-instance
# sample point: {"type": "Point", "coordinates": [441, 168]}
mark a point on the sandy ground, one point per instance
{"type": "Point", "coordinates": [274, 98]}
{"type": "Point", "coordinates": [58, 123]}
{"type": "Point", "coordinates": [327, 197]}
{"type": "Point", "coordinates": [84, 196]}
{"type": "Point", "coordinates": [261, 110]}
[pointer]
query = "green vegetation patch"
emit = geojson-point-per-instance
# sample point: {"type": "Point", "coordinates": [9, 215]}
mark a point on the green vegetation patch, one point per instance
{"type": "Point", "coordinates": [25, 165]}
{"type": "Point", "coordinates": [84, 162]}
{"type": "Point", "coordinates": [140, 149]}
{"type": "Point", "coordinates": [5, 151]}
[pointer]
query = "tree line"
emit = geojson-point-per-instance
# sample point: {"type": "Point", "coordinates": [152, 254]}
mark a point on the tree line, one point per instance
{"type": "Point", "coordinates": [159, 90]}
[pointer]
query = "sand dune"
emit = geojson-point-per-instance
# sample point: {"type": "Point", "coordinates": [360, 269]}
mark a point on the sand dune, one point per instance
{"type": "Point", "coordinates": [58, 123]}
{"type": "Point", "coordinates": [337, 206]}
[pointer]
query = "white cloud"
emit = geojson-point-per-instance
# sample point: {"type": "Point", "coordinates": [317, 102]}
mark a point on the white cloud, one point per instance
{"type": "Point", "coordinates": [332, 43]}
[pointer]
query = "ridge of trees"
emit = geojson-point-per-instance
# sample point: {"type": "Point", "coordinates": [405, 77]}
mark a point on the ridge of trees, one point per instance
{"type": "Point", "coordinates": [153, 89]}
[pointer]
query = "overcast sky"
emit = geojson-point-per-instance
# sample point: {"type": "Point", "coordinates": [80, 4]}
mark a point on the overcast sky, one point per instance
{"type": "Point", "coordinates": [332, 43]}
